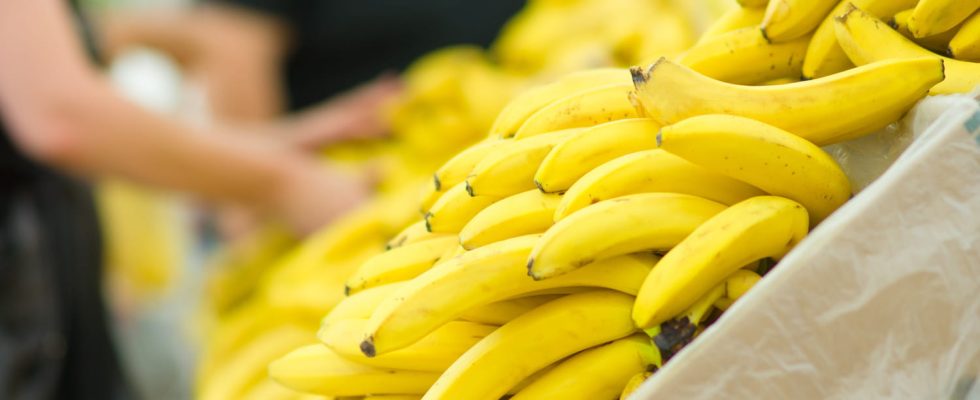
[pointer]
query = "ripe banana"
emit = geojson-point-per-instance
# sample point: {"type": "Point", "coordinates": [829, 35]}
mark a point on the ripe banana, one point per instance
{"type": "Point", "coordinates": [399, 264]}
{"type": "Point", "coordinates": [938, 43]}
{"type": "Point", "coordinates": [485, 275]}
{"type": "Point", "coordinates": [427, 197]}
{"type": "Point", "coordinates": [734, 19]}
{"type": "Point", "coordinates": [765, 226]}
{"type": "Point", "coordinates": [866, 40]}
{"type": "Point", "coordinates": [651, 171]}
{"type": "Point", "coordinates": [541, 337]}
{"type": "Point", "coordinates": [504, 311]}
{"type": "Point", "coordinates": [413, 233]}
{"type": "Point", "coordinates": [572, 158]}
{"type": "Point", "coordinates": [847, 104]}
{"type": "Point", "coordinates": [524, 105]}
{"type": "Point", "coordinates": [786, 20]}
{"type": "Point", "coordinates": [317, 369]}
{"type": "Point", "coordinates": [931, 17]}
{"type": "Point", "coordinates": [517, 215]}
{"type": "Point", "coordinates": [268, 389]}
{"type": "Point", "coordinates": [459, 166]}
{"type": "Point", "coordinates": [767, 157]}
{"type": "Point", "coordinates": [628, 224]}
{"type": "Point", "coordinates": [597, 373]}
{"type": "Point", "coordinates": [824, 56]}
{"type": "Point", "coordinates": [965, 45]}
{"type": "Point", "coordinates": [435, 352]}
{"type": "Point", "coordinates": [583, 109]}
{"type": "Point", "coordinates": [633, 384]}
{"type": "Point", "coordinates": [360, 304]}
{"type": "Point", "coordinates": [454, 209]}
{"type": "Point", "coordinates": [752, 3]}
{"type": "Point", "coordinates": [510, 170]}
{"type": "Point", "coordinates": [392, 397]}
{"type": "Point", "coordinates": [745, 57]}
{"type": "Point", "coordinates": [736, 286]}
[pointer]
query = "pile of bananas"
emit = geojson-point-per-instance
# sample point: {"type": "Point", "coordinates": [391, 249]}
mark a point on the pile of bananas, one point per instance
{"type": "Point", "coordinates": [608, 218]}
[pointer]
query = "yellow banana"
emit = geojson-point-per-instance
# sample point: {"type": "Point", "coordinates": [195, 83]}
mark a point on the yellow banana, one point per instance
{"type": "Point", "coordinates": [789, 19]}
{"type": "Point", "coordinates": [399, 264]}
{"type": "Point", "coordinates": [393, 397]}
{"type": "Point", "coordinates": [541, 337]}
{"type": "Point", "coordinates": [504, 311]}
{"type": "Point", "coordinates": [317, 369]}
{"type": "Point", "coordinates": [633, 384]}
{"type": "Point", "coordinates": [427, 197]}
{"type": "Point", "coordinates": [767, 157]}
{"type": "Point", "coordinates": [931, 17]}
{"type": "Point", "coordinates": [628, 224]}
{"type": "Point", "coordinates": [765, 226]}
{"type": "Point", "coordinates": [485, 275]}
{"type": "Point", "coordinates": [459, 166]}
{"type": "Point", "coordinates": [965, 45]}
{"type": "Point", "coordinates": [583, 109]}
{"type": "Point", "coordinates": [736, 286]}
{"type": "Point", "coordinates": [734, 19]}
{"type": "Point", "coordinates": [524, 105]}
{"type": "Point", "coordinates": [413, 233]}
{"type": "Point", "coordinates": [435, 352]}
{"type": "Point", "coordinates": [821, 110]}
{"type": "Point", "coordinates": [510, 170]}
{"type": "Point", "coordinates": [938, 43]}
{"type": "Point", "coordinates": [647, 172]}
{"type": "Point", "coordinates": [597, 373]}
{"type": "Point", "coordinates": [866, 40]}
{"type": "Point", "coordinates": [752, 3]}
{"type": "Point", "coordinates": [824, 56]}
{"type": "Point", "coordinates": [517, 215]}
{"type": "Point", "coordinates": [454, 209]}
{"type": "Point", "coordinates": [744, 57]}
{"type": "Point", "coordinates": [360, 304]}
{"type": "Point", "coordinates": [572, 158]}
{"type": "Point", "coordinates": [269, 389]}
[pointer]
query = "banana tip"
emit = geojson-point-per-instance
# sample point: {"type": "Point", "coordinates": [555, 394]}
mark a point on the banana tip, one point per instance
{"type": "Point", "coordinates": [469, 189]}
{"type": "Point", "coordinates": [346, 290]}
{"type": "Point", "coordinates": [435, 180]}
{"type": "Point", "coordinates": [660, 137]}
{"type": "Point", "coordinates": [428, 224]}
{"type": "Point", "coordinates": [530, 270]}
{"type": "Point", "coordinates": [765, 35]}
{"type": "Point", "coordinates": [367, 347]}
{"type": "Point", "coordinates": [848, 9]}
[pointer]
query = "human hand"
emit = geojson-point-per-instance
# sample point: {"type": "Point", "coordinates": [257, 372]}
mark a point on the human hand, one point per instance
{"type": "Point", "coordinates": [313, 195]}
{"type": "Point", "coordinates": [357, 114]}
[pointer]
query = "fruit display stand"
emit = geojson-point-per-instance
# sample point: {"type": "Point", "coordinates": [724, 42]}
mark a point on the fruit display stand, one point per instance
{"type": "Point", "coordinates": [880, 301]}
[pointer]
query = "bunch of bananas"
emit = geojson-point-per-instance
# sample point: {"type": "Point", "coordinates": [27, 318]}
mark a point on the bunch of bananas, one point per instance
{"type": "Point", "coordinates": [606, 220]}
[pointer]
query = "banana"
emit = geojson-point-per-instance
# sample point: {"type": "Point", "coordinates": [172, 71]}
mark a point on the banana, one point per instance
{"type": "Point", "coordinates": [413, 233]}
{"type": "Point", "coordinates": [745, 57]}
{"type": "Point", "coordinates": [765, 226]}
{"type": "Point", "coordinates": [459, 166]}
{"type": "Point", "coordinates": [633, 384]}
{"type": "Point", "coordinates": [776, 161]}
{"type": "Point", "coordinates": [454, 209]}
{"type": "Point", "coordinates": [517, 215]}
{"type": "Point", "coordinates": [931, 17]}
{"type": "Point", "coordinates": [647, 172]}
{"type": "Point", "coordinates": [780, 81]}
{"type": "Point", "coordinates": [360, 304]}
{"type": "Point", "coordinates": [434, 353]}
{"type": "Point", "coordinates": [734, 19]}
{"type": "Point", "coordinates": [736, 286]}
{"type": "Point", "coordinates": [268, 389]}
{"type": "Point", "coordinates": [485, 275]}
{"type": "Point", "coordinates": [541, 337]}
{"type": "Point", "coordinates": [847, 104]}
{"type": "Point", "coordinates": [597, 373]}
{"type": "Point", "coordinates": [824, 56]}
{"type": "Point", "coordinates": [510, 170]}
{"type": "Point", "coordinates": [393, 397]}
{"type": "Point", "coordinates": [965, 45]}
{"type": "Point", "coordinates": [504, 311]}
{"type": "Point", "coordinates": [427, 197]}
{"type": "Point", "coordinates": [628, 224]}
{"type": "Point", "coordinates": [524, 105]}
{"type": "Point", "coordinates": [752, 3]}
{"type": "Point", "coordinates": [317, 369]}
{"type": "Point", "coordinates": [399, 264]}
{"type": "Point", "coordinates": [786, 20]}
{"type": "Point", "coordinates": [866, 40]}
{"type": "Point", "coordinates": [583, 109]}
{"type": "Point", "coordinates": [938, 43]}
{"type": "Point", "coordinates": [577, 155]}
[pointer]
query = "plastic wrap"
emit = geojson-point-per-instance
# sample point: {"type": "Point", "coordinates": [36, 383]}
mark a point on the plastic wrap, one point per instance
{"type": "Point", "coordinates": [882, 300]}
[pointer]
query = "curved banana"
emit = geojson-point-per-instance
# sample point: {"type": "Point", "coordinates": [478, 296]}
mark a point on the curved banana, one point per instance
{"type": "Point", "coordinates": [572, 158]}
{"type": "Point", "coordinates": [317, 369]}
{"type": "Point", "coordinates": [524, 105]}
{"type": "Point", "coordinates": [965, 45]}
{"type": "Point", "coordinates": [765, 226]}
{"type": "Point", "coordinates": [427, 197]}
{"type": "Point", "coordinates": [734, 19]}
{"type": "Point", "coordinates": [392, 397]}
{"type": "Point", "coordinates": [517, 215]}
{"type": "Point", "coordinates": [651, 171]}
{"type": "Point", "coordinates": [247, 367]}
{"type": "Point", "coordinates": [435, 352]}
{"type": "Point", "coordinates": [399, 264]}
{"type": "Point", "coordinates": [752, 3]}
{"type": "Point", "coordinates": [582, 109]}
{"type": "Point", "coordinates": [485, 275]}
{"type": "Point", "coordinates": [542, 336]}
{"type": "Point", "coordinates": [824, 56]}
{"type": "Point", "coordinates": [268, 389]}
{"type": "Point", "coordinates": [767, 157]}
{"type": "Point", "coordinates": [510, 170]}
{"type": "Point", "coordinates": [931, 17]}
{"type": "Point", "coordinates": [938, 43]}
{"type": "Point", "coordinates": [504, 311]}
{"type": "Point", "coordinates": [628, 224]}
{"type": "Point", "coordinates": [866, 40]}
{"type": "Point", "coordinates": [745, 57]}
{"type": "Point", "coordinates": [413, 233]}
{"type": "Point", "coordinates": [598, 373]}
{"type": "Point", "coordinates": [459, 166]}
{"type": "Point", "coordinates": [633, 384]}
{"type": "Point", "coordinates": [736, 286]}
{"type": "Point", "coordinates": [822, 110]}
{"type": "Point", "coordinates": [790, 19]}
{"type": "Point", "coordinates": [360, 304]}
{"type": "Point", "coordinates": [454, 209]}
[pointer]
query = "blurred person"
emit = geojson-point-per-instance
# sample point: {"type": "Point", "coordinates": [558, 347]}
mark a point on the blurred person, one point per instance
{"type": "Point", "coordinates": [60, 120]}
